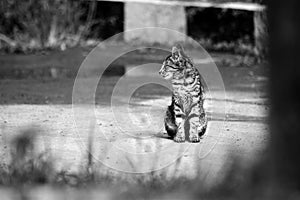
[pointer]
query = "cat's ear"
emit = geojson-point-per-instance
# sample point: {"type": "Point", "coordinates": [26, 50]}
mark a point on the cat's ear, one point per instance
{"type": "Point", "coordinates": [181, 50]}
{"type": "Point", "coordinates": [177, 51]}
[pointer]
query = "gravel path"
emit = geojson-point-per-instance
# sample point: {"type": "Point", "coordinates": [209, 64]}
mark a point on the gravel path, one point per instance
{"type": "Point", "coordinates": [132, 139]}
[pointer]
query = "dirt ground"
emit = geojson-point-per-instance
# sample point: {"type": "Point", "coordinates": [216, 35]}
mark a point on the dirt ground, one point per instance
{"type": "Point", "coordinates": [36, 90]}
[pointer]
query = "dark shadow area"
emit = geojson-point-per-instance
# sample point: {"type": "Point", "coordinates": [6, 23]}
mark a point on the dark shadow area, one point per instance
{"type": "Point", "coordinates": [219, 25]}
{"type": "Point", "coordinates": [108, 19]}
{"type": "Point", "coordinates": [163, 135]}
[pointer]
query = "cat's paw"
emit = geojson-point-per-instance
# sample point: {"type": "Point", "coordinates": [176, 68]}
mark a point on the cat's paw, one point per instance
{"type": "Point", "coordinates": [179, 139]}
{"type": "Point", "coordinates": [194, 138]}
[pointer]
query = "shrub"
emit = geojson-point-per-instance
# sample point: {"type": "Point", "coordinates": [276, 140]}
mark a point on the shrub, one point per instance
{"type": "Point", "coordinates": [44, 23]}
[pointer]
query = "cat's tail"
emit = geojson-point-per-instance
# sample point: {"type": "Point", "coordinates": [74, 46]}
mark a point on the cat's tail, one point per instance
{"type": "Point", "coordinates": [170, 125]}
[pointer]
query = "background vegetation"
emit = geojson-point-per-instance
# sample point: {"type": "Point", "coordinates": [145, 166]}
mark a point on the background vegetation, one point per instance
{"type": "Point", "coordinates": [42, 24]}
{"type": "Point", "coordinates": [37, 24]}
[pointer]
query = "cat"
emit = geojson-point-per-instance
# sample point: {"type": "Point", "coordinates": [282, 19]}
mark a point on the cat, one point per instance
{"type": "Point", "coordinates": [187, 97]}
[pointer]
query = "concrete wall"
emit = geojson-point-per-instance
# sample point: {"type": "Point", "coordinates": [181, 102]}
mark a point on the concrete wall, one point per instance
{"type": "Point", "coordinates": [148, 15]}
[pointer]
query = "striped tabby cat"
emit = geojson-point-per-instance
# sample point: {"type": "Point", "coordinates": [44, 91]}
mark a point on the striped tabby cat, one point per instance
{"type": "Point", "coordinates": [187, 98]}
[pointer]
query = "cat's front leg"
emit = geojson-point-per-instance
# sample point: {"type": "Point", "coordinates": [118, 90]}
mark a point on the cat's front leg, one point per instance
{"type": "Point", "coordinates": [194, 136]}
{"type": "Point", "coordinates": [180, 135]}
{"type": "Point", "coordinates": [194, 124]}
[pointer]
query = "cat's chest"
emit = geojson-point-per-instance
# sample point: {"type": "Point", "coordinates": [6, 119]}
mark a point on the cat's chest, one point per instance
{"type": "Point", "coordinates": [183, 91]}
{"type": "Point", "coordinates": [184, 99]}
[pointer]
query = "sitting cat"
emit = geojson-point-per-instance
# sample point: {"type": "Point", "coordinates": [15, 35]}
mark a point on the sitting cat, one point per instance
{"type": "Point", "coordinates": [187, 97]}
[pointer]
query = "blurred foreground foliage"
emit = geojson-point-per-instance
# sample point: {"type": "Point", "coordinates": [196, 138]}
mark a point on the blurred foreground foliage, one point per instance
{"type": "Point", "coordinates": [31, 173]}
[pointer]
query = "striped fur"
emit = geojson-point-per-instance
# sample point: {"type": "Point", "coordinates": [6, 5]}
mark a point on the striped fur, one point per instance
{"type": "Point", "coordinates": [187, 98]}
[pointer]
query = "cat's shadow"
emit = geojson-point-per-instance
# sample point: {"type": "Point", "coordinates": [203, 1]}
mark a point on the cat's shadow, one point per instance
{"type": "Point", "coordinates": [163, 136]}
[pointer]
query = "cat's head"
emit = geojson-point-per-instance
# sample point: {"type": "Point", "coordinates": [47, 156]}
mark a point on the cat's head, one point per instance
{"type": "Point", "coordinates": [175, 64]}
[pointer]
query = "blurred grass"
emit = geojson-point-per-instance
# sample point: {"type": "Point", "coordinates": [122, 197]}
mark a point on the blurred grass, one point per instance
{"type": "Point", "coordinates": [30, 168]}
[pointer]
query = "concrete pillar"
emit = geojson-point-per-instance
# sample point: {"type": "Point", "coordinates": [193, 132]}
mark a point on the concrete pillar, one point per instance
{"type": "Point", "coordinates": [140, 15]}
